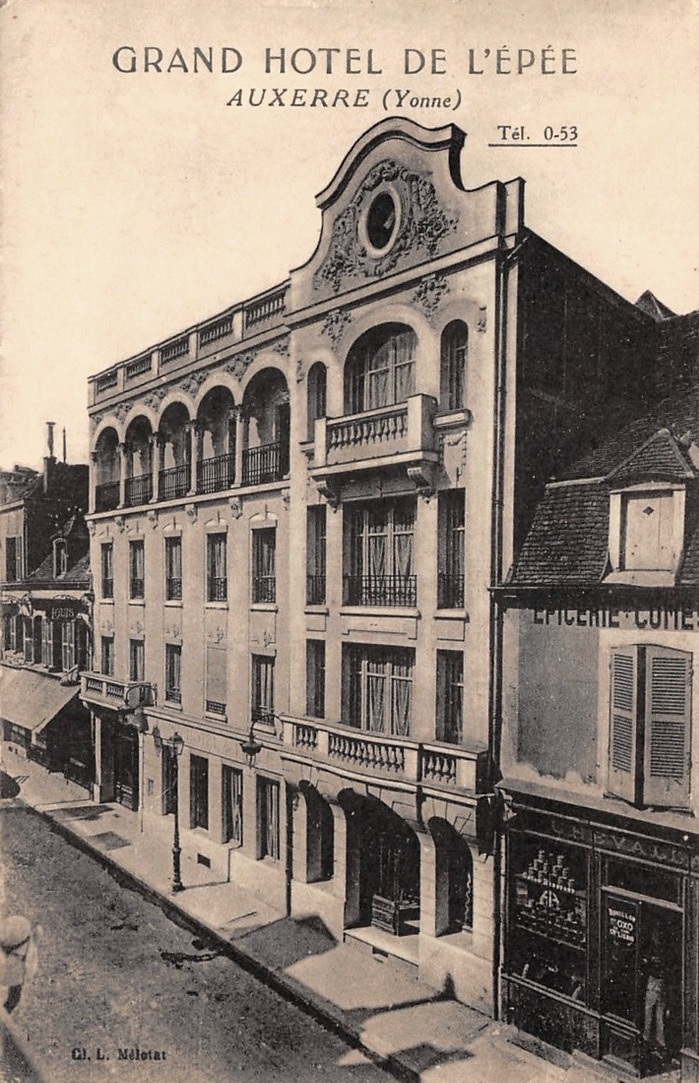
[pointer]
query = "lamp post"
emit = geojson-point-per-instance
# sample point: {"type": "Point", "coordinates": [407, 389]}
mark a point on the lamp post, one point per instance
{"type": "Point", "coordinates": [176, 745]}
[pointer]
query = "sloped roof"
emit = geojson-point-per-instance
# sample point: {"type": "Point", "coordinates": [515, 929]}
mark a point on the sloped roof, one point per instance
{"type": "Point", "coordinates": [678, 414]}
{"type": "Point", "coordinates": [650, 304]}
{"type": "Point", "coordinates": [77, 574]}
{"type": "Point", "coordinates": [660, 457]}
{"type": "Point", "coordinates": [568, 540]}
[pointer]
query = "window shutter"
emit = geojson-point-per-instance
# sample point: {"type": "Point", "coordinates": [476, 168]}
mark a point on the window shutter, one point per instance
{"type": "Point", "coordinates": [216, 675]}
{"type": "Point", "coordinates": [668, 705]}
{"type": "Point", "coordinates": [47, 642]}
{"type": "Point", "coordinates": [623, 735]}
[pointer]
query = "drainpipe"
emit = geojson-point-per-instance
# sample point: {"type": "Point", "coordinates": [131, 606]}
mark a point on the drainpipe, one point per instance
{"type": "Point", "coordinates": [505, 259]}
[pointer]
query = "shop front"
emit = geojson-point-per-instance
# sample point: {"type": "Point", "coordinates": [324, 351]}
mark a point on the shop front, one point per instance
{"type": "Point", "coordinates": [601, 937]}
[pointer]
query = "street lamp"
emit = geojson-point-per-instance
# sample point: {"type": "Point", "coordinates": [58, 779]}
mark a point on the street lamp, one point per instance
{"type": "Point", "coordinates": [251, 746]}
{"type": "Point", "coordinates": [176, 744]}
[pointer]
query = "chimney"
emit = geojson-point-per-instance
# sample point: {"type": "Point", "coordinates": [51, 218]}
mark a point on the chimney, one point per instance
{"type": "Point", "coordinates": [65, 449]}
{"type": "Point", "coordinates": [49, 460]}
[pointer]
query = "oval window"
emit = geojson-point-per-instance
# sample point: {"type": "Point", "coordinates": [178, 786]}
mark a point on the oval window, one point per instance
{"type": "Point", "coordinates": [381, 221]}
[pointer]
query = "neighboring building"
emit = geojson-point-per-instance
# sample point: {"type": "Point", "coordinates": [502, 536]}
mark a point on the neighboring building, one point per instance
{"type": "Point", "coordinates": [46, 607]}
{"type": "Point", "coordinates": [600, 751]}
{"type": "Point", "coordinates": [298, 509]}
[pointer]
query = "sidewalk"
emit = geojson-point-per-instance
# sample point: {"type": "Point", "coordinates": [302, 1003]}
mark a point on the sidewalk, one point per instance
{"type": "Point", "coordinates": [370, 1000]}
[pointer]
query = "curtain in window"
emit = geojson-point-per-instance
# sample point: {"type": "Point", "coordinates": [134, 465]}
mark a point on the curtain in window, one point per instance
{"type": "Point", "coordinates": [401, 700]}
{"type": "Point", "coordinates": [137, 560]}
{"type": "Point", "coordinates": [217, 557]}
{"type": "Point", "coordinates": [173, 551]}
{"type": "Point", "coordinates": [174, 660]}
{"type": "Point", "coordinates": [376, 701]}
{"type": "Point", "coordinates": [233, 804]}
{"type": "Point", "coordinates": [270, 819]}
{"type": "Point", "coordinates": [403, 356]}
{"type": "Point", "coordinates": [403, 525]}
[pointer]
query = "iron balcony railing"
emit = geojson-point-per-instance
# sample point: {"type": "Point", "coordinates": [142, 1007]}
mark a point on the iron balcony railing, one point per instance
{"type": "Point", "coordinates": [263, 714]}
{"type": "Point", "coordinates": [216, 474]}
{"type": "Point", "coordinates": [315, 590]}
{"type": "Point", "coordinates": [137, 587]}
{"type": "Point", "coordinates": [107, 496]}
{"type": "Point", "coordinates": [173, 589]}
{"type": "Point", "coordinates": [217, 589]}
{"type": "Point", "coordinates": [213, 706]}
{"type": "Point", "coordinates": [174, 695]}
{"type": "Point", "coordinates": [450, 593]}
{"type": "Point", "coordinates": [270, 462]}
{"type": "Point", "coordinates": [174, 482]}
{"type": "Point", "coordinates": [139, 490]}
{"type": "Point", "coordinates": [388, 590]}
{"type": "Point", "coordinates": [264, 588]}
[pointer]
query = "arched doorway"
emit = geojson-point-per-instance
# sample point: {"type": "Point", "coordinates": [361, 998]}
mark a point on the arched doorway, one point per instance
{"type": "Point", "coordinates": [383, 867]}
{"type": "Point", "coordinates": [454, 878]}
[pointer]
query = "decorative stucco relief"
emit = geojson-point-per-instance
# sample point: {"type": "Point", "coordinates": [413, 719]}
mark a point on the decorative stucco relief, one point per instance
{"type": "Point", "coordinates": [429, 293]}
{"type": "Point", "coordinates": [424, 226]}
{"type": "Point", "coordinates": [335, 324]}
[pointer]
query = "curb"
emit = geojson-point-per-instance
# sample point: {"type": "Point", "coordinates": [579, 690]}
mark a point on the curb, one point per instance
{"type": "Point", "coordinates": [288, 989]}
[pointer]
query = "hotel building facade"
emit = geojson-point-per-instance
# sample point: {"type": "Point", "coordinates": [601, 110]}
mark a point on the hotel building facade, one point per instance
{"type": "Point", "coordinates": [299, 508]}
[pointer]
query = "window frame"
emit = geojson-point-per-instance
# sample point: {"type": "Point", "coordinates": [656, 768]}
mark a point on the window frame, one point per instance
{"type": "Point", "coordinates": [375, 533]}
{"type": "Point", "coordinates": [217, 557]}
{"type": "Point", "coordinates": [107, 570]}
{"type": "Point", "coordinates": [262, 689]}
{"type": "Point", "coordinates": [316, 554]}
{"type": "Point", "coordinates": [107, 656]}
{"type": "Point", "coordinates": [137, 563]}
{"type": "Point", "coordinates": [450, 702]}
{"type": "Point", "coordinates": [137, 660]}
{"type": "Point", "coordinates": [268, 826]}
{"type": "Point", "coordinates": [263, 585]}
{"type": "Point", "coordinates": [173, 583]}
{"type": "Point", "coordinates": [370, 671]}
{"type": "Point", "coordinates": [198, 792]}
{"type": "Point", "coordinates": [315, 678]}
{"type": "Point", "coordinates": [173, 673]}
{"type": "Point", "coordinates": [453, 353]}
{"type": "Point", "coordinates": [451, 555]}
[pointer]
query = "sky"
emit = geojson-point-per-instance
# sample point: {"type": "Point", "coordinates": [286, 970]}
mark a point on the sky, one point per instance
{"type": "Point", "coordinates": [135, 204]}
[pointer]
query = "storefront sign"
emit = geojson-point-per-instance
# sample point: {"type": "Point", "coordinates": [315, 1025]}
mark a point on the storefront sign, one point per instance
{"type": "Point", "coordinates": [634, 846]}
{"type": "Point", "coordinates": [63, 610]}
{"type": "Point", "coordinates": [621, 924]}
{"type": "Point", "coordinates": [657, 619]}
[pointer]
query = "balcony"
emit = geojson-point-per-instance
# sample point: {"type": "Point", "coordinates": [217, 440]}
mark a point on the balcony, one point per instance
{"type": "Point", "coordinates": [107, 496]}
{"type": "Point", "coordinates": [400, 434]}
{"type": "Point", "coordinates": [138, 490]}
{"type": "Point", "coordinates": [315, 590]}
{"type": "Point", "coordinates": [118, 694]}
{"type": "Point", "coordinates": [216, 474]}
{"type": "Point", "coordinates": [434, 767]}
{"type": "Point", "coordinates": [381, 590]}
{"type": "Point", "coordinates": [174, 482]}
{"type": "Point", "coordinates": [267, 463]}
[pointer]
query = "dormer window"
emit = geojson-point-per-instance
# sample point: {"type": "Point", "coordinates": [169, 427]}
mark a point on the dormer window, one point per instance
{"type": "Point", "coordinates": [646, 533]}
{"type": "Point", "coordinates": [60, 558]}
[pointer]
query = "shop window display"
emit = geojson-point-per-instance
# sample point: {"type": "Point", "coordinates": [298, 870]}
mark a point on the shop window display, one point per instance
{"type": "Point", "coordinates": [549, 917]}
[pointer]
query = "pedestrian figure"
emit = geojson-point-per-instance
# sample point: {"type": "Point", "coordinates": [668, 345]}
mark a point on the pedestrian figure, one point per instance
{"type": "Point", "coordinates": [654, 1003]}
{"type": "Point", "coordinates": [18, 958]}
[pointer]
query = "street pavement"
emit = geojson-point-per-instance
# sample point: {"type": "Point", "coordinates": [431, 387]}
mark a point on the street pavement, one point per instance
{"type": "Point", "coordinates": [223, 1025]}
{"type": "Point", "coordinates": [117, 976]}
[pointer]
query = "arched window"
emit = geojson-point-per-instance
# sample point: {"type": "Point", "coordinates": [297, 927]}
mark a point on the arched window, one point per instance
{"type": "Point", "coordinates": [317, 406]}
{"type": "Point", "coordinates": [380, 368]}
{"type": "Point", "coordinates": [453, 359]}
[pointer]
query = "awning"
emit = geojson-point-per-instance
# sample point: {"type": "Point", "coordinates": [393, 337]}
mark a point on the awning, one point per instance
{"type": "Point", "coordinates": [30, 699]}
